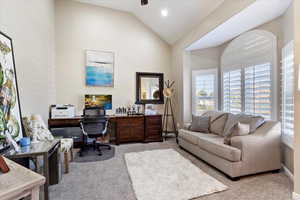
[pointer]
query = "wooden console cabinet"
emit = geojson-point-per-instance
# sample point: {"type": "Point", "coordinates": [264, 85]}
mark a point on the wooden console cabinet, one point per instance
{"type": "Point", "coordinates": [123, 129]}
{"type": "Point", "coordinates": [137, 128]}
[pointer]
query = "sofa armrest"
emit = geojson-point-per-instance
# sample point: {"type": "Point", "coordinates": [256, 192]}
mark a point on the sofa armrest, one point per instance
{"type": "Point", "coordinates": [262, 147]}
{"type": "Point", "coordinates": [187, 125]}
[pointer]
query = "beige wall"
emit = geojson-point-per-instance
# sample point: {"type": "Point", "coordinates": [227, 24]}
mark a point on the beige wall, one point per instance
{"type": "Point", "coordinates": [228, 9]}
{"type": "Point", "coordinates": [206, 58]}
{"type": "Point", "coordinates": [297, 99]}
{"type": "Point", "coordinates": [82, 26]}
{"type": "Point", "coordinates": [30, 23]}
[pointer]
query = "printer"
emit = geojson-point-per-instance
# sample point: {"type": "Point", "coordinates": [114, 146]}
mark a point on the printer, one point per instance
{"type": "Point", "coordinates": [62, 111]}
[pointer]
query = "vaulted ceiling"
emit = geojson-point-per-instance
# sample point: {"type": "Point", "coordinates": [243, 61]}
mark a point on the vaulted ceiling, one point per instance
{"type": "Point", "coordinates": [183, 15]}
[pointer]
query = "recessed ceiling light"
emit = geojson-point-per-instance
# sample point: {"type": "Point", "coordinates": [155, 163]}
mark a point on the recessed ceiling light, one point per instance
{"type": "Point", "coordinates": [164, 12]}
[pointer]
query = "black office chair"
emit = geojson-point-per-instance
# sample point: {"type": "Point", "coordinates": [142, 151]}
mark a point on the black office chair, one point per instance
{"type": "Point", "coordinates": [94, 125]}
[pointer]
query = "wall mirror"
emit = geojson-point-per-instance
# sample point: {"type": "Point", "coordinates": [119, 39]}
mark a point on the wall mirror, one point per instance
{"type": "Point", "coordinates": [149, 88]}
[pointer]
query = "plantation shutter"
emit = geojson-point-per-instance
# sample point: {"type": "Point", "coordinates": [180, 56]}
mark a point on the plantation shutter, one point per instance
{"type": "Point", "coordinates": [288, 89]}
{"type": "Point", "coordinates": [258, 90]}
{"type": "Point", "coordinates": [249, 74]}
{"type": "Point", "coordinates": [232, 87]}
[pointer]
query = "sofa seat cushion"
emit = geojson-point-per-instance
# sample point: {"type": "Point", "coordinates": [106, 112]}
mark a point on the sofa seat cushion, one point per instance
{"type": "Point", "coordinates": [215, 145]}
{"type": "Point", "coordinates": [212, 144]}
{"type": "Point", "coordinates": [189, 136]}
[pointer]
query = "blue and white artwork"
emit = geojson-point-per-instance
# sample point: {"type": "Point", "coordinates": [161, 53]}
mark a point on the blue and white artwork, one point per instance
{"type": "Point", "coordinates": [99, 68]}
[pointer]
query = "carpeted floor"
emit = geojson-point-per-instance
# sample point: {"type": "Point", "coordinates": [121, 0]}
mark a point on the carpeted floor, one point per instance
{"type": "Point", "coordinates": [109, 180]}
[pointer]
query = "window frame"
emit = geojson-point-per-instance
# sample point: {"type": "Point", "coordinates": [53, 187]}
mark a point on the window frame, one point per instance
{"type": "Point", "coordinates": [197, 72]}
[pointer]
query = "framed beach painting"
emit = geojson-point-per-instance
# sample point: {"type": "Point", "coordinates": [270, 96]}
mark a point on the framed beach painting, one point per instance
{"type": "Point", "coordinates": [100, 68]}
{"type": "Point", "coordinates": [10, 112]}
{"type": "Point", "coordinates": [104, 101]}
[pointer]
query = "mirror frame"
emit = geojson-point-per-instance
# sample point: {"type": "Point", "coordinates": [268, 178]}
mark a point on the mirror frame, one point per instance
{"type": "Point", "coordinates": [160, 77]}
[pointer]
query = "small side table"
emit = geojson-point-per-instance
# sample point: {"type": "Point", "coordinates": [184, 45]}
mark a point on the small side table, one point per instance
{"type": "Point", "coordinates": [20, 182]}
{"type": "Point", "coordinates": [51, 157]}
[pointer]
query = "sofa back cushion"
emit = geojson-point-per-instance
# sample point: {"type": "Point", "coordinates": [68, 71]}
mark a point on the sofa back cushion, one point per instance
{"type": "Point", "coordinates": [253, 121]}
{"type": "Point", "coordinates": [200, 124]}
{"type": "Point", "coordinates": [217, 121]}
{"type": "Point", "coordinates": [241, 124]}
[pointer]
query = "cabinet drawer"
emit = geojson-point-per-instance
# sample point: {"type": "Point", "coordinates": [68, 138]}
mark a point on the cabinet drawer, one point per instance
{"type": "Point", "coordinates": [154, 127]}
{"type": "Point", "coordinates": [131, 121]}
{"type": "Point", "coordinates": [153, 121]}
{"type": "Point", "coordinates": [124, 132]}
{"type": "Point", "coordinates": [154, 132]}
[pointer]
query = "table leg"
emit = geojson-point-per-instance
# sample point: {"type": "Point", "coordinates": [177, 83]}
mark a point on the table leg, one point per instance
{"type": "Point", "coordinates": [66, 159]}
{"type": "Point", "coordinates": [46, 174]}
{"type": "Point", "coordinates": [35, 193]}
{"type": "Point", "coordinates": [72, 155]}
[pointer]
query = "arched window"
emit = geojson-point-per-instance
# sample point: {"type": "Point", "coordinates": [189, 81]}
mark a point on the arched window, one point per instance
{"type": "Point", "coordinates": [249, 74]}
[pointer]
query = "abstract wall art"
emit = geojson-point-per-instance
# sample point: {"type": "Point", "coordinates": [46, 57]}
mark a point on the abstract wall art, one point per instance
{"type": "Point", "coordinates": [10, 112]}
{"type": "Point", "coordinates": [99, 68]}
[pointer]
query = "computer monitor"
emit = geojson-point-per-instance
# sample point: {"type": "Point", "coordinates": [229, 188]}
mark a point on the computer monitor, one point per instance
{"type": "Point", "coordinates": [95, 100]}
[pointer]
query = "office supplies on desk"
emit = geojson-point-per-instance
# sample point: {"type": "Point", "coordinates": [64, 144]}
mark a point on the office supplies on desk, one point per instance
{"type": "Point", "coordinates": [62, 111]}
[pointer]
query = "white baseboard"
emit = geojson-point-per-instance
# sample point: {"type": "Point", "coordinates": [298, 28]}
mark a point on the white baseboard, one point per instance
{"type": "Point", "coordinates": [288, 173]}
{"type": "Point", "coordinates": [296, 196]}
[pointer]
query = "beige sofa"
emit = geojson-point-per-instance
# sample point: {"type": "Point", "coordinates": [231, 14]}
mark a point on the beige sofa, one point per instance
{"type": "Point", "coordinates": [251, 154]}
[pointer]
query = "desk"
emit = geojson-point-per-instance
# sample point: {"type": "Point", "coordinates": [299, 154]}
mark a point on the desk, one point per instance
{"type": "Point", "coordinates": [50, 152]}
{"type": "Point", "coordinates": [19, 182]}
{"type": "Point", "coordinates": [70, 128]}
{"type": "Point", "coordinates": [122, 129]}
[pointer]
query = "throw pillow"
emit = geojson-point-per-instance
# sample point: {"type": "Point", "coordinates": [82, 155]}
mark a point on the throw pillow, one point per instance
{"type": "Point", "coordinates": [232, 120]}
{"type": "Point", "coordinates": [253, 121]}
{"type": "Point", "coordinates": [217, 121]}
{"type": "Point", "coordinates": [200, 124]}
{"type": "Point", "coordinates": [239, 129]}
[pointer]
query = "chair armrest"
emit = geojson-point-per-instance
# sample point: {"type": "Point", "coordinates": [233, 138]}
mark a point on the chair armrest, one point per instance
{"type": "Point", "coordinates": [82, 128]}
{"type": "Point", "coordinates": [261, 146]}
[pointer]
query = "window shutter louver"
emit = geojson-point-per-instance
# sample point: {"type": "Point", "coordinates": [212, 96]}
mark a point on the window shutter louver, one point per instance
{"type": "Point", "coordinates": [232, 91]}
{"type": "Point", "coordinates": [258, 90]}
{"type": "Point", "coordinates": [288, 89]}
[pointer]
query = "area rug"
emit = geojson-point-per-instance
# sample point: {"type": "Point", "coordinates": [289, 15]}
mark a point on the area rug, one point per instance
{"type": "Point", "coordinates": [165, 174]}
